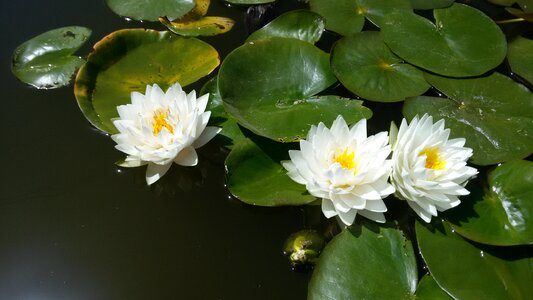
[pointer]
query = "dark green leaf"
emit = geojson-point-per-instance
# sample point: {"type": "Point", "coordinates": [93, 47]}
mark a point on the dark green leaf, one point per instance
{"type": "Point", "coordinates": [151, 10]}
{"type": "Point", "coordinates": [299, 24]}
{"type": "Point", "coordinates": [366, 66]}
{"type": "Point", "coordinates": [348, 16]}
{"type": "Point", "coordinates": [268, 86]}
{"type": "Point", "coordinates": [467, 272]}
{"type": "Point", "coordinates": [255, 175]}
{"type": "Point", "coordinates": [462, 42]}
{"type": "Point", "coordinates": [368, 262]}
{"type": "Point", "coordinates": [46, 61]}
{"type": "Point", "coordinates": [520, 57]}
{"type": "Point", "coordinates": [494, 114]}
{"type": "Point", "coordinates": [428, 289]}
{"type": "Point", "coordinates": [502, 213]}
{"type": "Point", "coordinates": [128, 60]}
{"type": "Point", "coordinates": [431, 4]}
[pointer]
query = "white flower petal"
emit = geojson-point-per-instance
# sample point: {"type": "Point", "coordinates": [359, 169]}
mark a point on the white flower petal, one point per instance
{"type": "Point", "coordinates": [348, 217]}
{"type": "Point", "coordinates": [159, 127]}
{"type": "Point", "coordinates": [187, 157]}
{"type": "Point", "coordinates": [154, 172]}
{"type": "Point", "coordinates": [374, 216]}
{"type": "Point", "coordinates": [328, 209]}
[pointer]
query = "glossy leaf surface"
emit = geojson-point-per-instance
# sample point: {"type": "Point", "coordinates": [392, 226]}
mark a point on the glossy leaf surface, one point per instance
{"type": "Point", "coordinates": [500, 213]}
{"type": "Point", "coordinates": [367, 262]}
{"type": "Point", "coordinates": [255, 175]}
{"type": "Point", "coordinates": [300, 24]}
{"type": "Point", "coordinates": [493, 113]}
{"type": "Point", "coordinates": [462, 42]}
{"type": "Point", "coordinates": [430, 4]}
{"type": "Point", "coordinates": [205, 26]}
{"type": "Point", "coordinates": [467, 272]}
{"type": "Point", "coordinates": [520, 57]}
{"type": "Point", "coordinates": [47, 61]}
{"type": "Point", "coordinates": [151, 10]}
{"type": "Point", "coordinates": [366, 67]}
{"type": "Point", "coordinates": [269, 87]}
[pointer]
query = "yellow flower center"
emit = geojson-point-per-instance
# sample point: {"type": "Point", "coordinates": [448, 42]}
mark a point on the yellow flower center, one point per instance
{"type": "Point", "coordinates": [433, 159]}
{"type": "Point", "coordinates": [346, 159]}
{"type": "Point", "coordinates": [160, 121]}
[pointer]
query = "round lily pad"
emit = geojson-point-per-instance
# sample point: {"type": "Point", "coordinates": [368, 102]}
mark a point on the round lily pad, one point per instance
{"type": "Point", "coordinates": [268, 86]}
{"type": "Point", "coordinates": [520, 57]}
{"type": "Point", "coordinates": [366, 67]}
{"type": "Point", "coordinates": [129, 60]}
{"type": "Point", "coordinates": [468, 272]}
{"type": "Point", "coordinates": [431, 4]}
{"type": "Point", "coordinates": [299, 24]}
{"type": "Point", "coordinates": [357, 263]}
{"type": "Point", "coordinates": [255, 175]}
{"type": "Point", "coordinates": [502, 213]}
{"type": "Point", "coordinates": [494, 114]}
{"type": "Point", "coordinates": [47, 61]}
{"type": "Point", "coordinates": [150, 10]}
{"type": "Point", "coordinates": [348, 16]}
{"type": "Point", "coordinates": [462, 42]}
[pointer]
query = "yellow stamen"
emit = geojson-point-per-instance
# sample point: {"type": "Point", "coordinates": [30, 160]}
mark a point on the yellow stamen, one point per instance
{"type": "Point", "coordinates": [433, 159]}
{"type": "Point", "coordinates": [160, 121]}
{"type": "Point", "coordinates": [346, 159]}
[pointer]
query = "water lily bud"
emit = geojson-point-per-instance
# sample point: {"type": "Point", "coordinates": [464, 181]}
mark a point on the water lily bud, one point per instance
{"type": "Point", "coordinates": [303, 248]}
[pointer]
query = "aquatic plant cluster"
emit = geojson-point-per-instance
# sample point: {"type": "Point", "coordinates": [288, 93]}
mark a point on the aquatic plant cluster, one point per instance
{"type": "Point", "coordinates": [445, 199]}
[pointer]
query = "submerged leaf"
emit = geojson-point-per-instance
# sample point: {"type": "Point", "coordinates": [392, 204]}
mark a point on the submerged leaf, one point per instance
{"type": "Point", "coordinates": [46, 61]}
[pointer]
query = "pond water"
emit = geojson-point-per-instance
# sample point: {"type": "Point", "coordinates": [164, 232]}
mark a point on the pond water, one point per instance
{"type": "Point", "coordinates": [73, 227]}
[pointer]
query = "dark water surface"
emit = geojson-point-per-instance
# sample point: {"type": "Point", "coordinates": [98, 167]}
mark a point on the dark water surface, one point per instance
{"type": "Point", "coordinates": [73, 227]}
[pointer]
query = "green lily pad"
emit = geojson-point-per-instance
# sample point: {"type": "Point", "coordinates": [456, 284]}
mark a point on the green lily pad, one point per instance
{"type": "Point", "coordinates": [366, 67]}
{"type": "Point", "coordinates": [256, 176]}
{"type": "Point", "coordinates": [520, 57]}
{"type": "Point", "coordinates": [299, 24]}
{"type": "Point", "coordinates": [268, 86]}
{"type": "Point", "coordinates": [501, 214]}
{"type": "Point", "coordinates": [231, 132]}
{"type": "Point", "coordinates": [431, 4]}
{"type": "Point", "coordinates": [428, 289]}
{"type": "Point", "coordinates": [368, 262]}
{"type": "Point", "coordinates": [494, 114]}
{"type": "Point", "coordinates": [46, 61]}
{"type": "Point", "coordinates": [150, 10]}
{"type": "Point", "coordinates": [348, 16]}
{"type": "Point", "coordinates": [129, 60]}
{"type": "Point", "coordinates": [468, 272]}
{"type": "Point", "coordinates": [205, 26]}
{"type": "Point", "coordinates": [462, 42]}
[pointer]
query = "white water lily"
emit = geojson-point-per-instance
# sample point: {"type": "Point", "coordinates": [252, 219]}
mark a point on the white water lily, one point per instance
{"type": "Point", "coordinates": [429, 171]}
{"type": "Point", "coordinates": [160, 128]}
{"type": "Point", "coordinates": [345, 168]}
